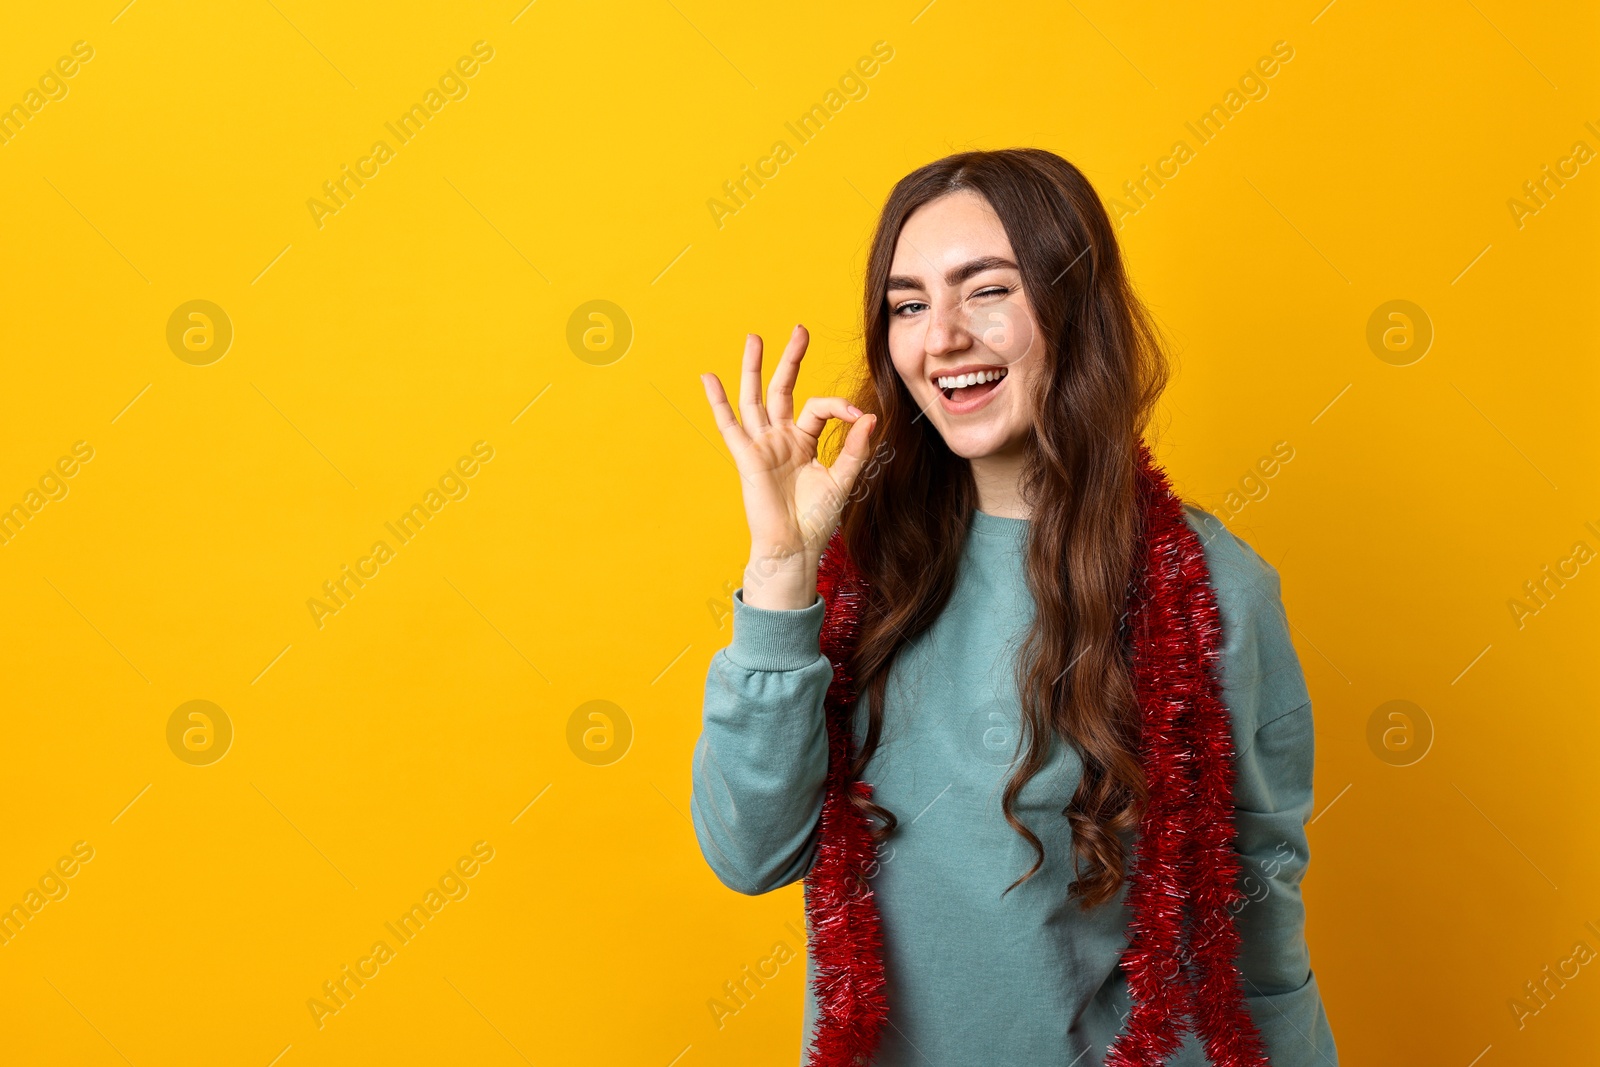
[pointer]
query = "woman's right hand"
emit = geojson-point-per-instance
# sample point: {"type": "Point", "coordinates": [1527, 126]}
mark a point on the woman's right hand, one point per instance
{"type": "Point", "coordinates": [791, 501]}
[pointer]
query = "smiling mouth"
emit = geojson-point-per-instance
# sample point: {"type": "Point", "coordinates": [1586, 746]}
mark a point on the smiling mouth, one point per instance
{"type": "Point", "coordinates": [963, 388]}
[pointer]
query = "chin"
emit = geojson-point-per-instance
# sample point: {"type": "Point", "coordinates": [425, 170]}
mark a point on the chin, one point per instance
{"type": "Point", "coordinates": [978, 445]}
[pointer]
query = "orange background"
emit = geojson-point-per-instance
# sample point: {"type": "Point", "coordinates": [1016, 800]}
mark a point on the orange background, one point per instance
{"type": "Point", "coordinates": [591, 558]}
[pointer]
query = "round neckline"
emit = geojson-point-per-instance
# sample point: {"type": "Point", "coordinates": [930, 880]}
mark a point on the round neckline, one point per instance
{"type": "Point", "coordinates": [998, 526]}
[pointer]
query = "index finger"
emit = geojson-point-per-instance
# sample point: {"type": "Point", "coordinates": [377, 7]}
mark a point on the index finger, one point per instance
{"type": "Point", "coordinates": [733, 434]}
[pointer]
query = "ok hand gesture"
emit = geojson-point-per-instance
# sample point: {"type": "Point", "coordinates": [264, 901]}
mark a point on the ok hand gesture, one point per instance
{"type": "Point", "coordinates": [791, 501]}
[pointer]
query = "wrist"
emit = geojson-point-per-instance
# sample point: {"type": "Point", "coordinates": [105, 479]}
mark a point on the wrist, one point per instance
{"type": "Point", "coordinates": [781, 583]}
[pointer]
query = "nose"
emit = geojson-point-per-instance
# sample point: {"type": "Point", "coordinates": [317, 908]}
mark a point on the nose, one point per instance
{"type": "Point", "coordinates": [947, 331]}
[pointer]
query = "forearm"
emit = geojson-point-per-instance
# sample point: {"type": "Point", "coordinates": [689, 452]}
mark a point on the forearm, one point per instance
{"type": "Point", "coordinates": [1293, 1026]}
{"type": "Point", "coordinates": [762, 757]}
{"type": "Point", "coordinates": [1273, 804]}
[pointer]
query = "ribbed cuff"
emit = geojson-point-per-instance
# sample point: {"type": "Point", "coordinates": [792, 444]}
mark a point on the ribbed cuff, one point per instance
{"type": "Point", "coordinates": [766, 639]}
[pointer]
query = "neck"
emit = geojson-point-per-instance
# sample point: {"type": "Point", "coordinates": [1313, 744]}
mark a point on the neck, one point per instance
{"type": "Point", "coordinates": [999, 481]}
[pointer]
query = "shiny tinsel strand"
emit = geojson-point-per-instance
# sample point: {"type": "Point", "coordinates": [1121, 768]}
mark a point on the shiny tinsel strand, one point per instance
{"type": "Point", "coordinates": [1183, 942]}
{"type": "Point", "coordinates": [846, 936]}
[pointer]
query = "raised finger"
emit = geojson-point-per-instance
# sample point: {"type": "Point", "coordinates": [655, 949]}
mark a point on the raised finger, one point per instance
{"type": "Point", "coordinates": [732, 433]}
{"type": "Point", "coordinates": [755, 413]}
{"type": "Point", "coordinates": [780, 391]}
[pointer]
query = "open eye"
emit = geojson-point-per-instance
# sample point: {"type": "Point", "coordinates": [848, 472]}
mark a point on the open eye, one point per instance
{"type": "Point", "coordinates": [901, 308]}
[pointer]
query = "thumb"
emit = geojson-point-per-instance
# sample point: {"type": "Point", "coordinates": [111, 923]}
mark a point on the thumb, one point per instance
{"type": "Point", "coordinates": [853, 457]}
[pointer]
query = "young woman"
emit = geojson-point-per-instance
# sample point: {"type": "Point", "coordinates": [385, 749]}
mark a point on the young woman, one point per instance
{"type": "Point", "coordinates": [1031, 728]}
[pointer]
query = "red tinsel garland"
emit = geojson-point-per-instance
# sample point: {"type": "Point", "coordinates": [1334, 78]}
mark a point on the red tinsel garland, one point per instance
{"type": "Point", "coordinates": [1183, 884]}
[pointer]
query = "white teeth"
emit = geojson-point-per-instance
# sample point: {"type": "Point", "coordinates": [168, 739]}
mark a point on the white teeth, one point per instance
{"type": "Point", "coordinates": [961, 381]}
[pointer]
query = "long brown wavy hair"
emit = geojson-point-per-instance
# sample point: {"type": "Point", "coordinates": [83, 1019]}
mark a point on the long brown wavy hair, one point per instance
{"type": "Point", "coordinates": [907, 519]}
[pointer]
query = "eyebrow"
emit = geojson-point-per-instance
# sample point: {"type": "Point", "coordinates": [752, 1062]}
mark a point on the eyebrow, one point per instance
{"type": "Point", "coordinates": [956, 275]}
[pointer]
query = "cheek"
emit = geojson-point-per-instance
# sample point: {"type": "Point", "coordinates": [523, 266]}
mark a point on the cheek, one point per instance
{"type": "Point", "coordinates": [1005, 329]}
{"type": "Point", "coordinates": [905, 351]}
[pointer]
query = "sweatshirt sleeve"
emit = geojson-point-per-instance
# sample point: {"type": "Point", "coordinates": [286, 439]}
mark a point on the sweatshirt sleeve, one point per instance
{"type": "Point", "coordinates": [1272, 801]}
{"type": "Point", "coordinates": [762, 758]}
{"type": "Point", "coordinates": [1264, 688]}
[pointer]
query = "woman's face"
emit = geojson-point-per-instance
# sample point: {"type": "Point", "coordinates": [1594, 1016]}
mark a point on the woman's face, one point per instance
{"type": "Point", "coordinates": [956, 308]}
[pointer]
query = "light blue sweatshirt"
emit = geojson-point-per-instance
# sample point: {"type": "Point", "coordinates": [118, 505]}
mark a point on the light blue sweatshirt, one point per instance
{"type": "Point", "coordinates": [975, 978]}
